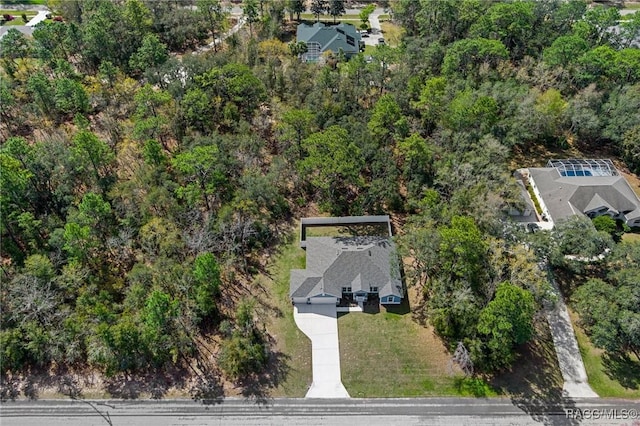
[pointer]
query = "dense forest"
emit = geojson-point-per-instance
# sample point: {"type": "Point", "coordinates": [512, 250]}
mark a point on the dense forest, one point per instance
{"type": "Point", "coordinates": [144, 178]}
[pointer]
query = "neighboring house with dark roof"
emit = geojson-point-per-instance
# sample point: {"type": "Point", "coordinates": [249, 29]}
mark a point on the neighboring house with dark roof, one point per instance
{"type": "Point", "coordinates": [570, 187]}
{"type": "Point", "coordinates": [347, 268]}
{"type": "Point", "coordinates": [320, 38]}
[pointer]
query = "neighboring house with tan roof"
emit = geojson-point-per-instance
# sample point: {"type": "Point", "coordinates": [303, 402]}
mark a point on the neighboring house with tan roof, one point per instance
{"type": "Point", "coordinates": [570, 187]}
{"type": "Point", "coordinates": [347, 269]}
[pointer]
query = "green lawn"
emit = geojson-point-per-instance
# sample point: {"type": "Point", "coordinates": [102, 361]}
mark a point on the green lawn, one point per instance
{"type": "Point", "coordinates": [629, 5]}
{"type": "Point", "coordinates": [15, 22]}
{"type": "Point", "coordinates": [18, 13]}
{"type": "Point", "coordinates": [415, 361]}
{"type": "Point", "coordinates": [630, 237]}
{"type": "Point", "coordinates": [326, 231]}
{"type": "Point", "coordinates": [369, 50]}
{"type": "Point", "coordinates": [294, 346]}
{"type": "Point", "coordinates": [18, 16]}
{"type": "Point", "coordinates": [605, 375]}
{"type": "Point", "coordinates": [390, 355]}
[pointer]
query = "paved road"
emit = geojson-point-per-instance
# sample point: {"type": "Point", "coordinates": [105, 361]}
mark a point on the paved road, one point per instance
{"type": "Point", "coordinates": [352, 412]}
{"type": "Point", "coordinates": [20, 7]}
{"type": "Point", "coordinates": [22, 28]}
{"type": "Point", "coordinates": [320, 324]}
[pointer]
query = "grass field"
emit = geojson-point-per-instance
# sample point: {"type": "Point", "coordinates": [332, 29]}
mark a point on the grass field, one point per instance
{"type": "Point", "coordinates": [389, 355]}
{"type": "Point", "coordinates": [416, 362]}
{"type": "Point", "coordinates": [15, 22]}
{"type": "Point", "coordinates": [369, 50]}
{"type": "Point", "coordinates": [631, 237]}
{"type": "Point", "coordinates": [609, 378]}
{"type": "Point", "coordinates": [289, 340]}
{"type": "Point", "coordinates": [17, 13]}
{"type": "Point", "coordinates": [392, 33]}
{"type": "Point", "coordinates": [18, 16]}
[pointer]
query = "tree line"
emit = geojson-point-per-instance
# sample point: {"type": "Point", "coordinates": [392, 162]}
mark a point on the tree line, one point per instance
{"type": "Point", "coordinates": [141, 182]}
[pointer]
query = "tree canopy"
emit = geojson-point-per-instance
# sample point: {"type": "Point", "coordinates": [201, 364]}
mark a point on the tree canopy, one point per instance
{"type": "Point", "coordinates": [151, 163]}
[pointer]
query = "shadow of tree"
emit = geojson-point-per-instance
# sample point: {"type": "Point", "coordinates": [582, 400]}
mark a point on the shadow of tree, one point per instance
{"type": "Point", "coordinates": [258, 387]}
{"type": "Point", "coordinates": [155, 383]}
{"type": "Point", "coordinates": [124, 386]}
{"type": "Point", "coordinates": [208, 389]}
{"type": "Point", "coordinates": [68, 385]}
{"type": "Point", "coordinates": [568, 281]}
{"type": "Point", "coordinates": [374, 229]}
{"type": "Point", "coordinates": [37, 380]}
{"type": "Point", "coordinates": [476, 386]}
{"type": "Point", "coordinates": [401, 309]}
{"type": "Point", "coordinates": [30, 388]}
{"type": "Point", "coordinates": [371, 308]}
{"type": "Point", "coordinates": [419, 313]}
{"type": "Point", "coordinates": [535, 383]}
{"type": "Point", "coordinates": [9, 388]}
{"type": "Point", "coordinates": [623, 369]}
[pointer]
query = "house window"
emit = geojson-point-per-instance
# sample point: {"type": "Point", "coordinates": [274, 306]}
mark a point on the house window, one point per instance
{"type": "Point", "coordinates": [373, 289]}
{"type": "Point", "coordinates": [346, 289]}
{"type": "Point", "coordinates": [390, 299]}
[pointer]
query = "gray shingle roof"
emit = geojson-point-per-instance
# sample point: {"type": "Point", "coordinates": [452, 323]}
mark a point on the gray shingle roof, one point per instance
{"type": "Point", "coordinates": [331, 37]}
{"type": "Point", "coordinates": [358, 262]}
{"type": "Point", "coordinates": [565, 196]}
{"type": "Point", "coordinates": [597, 202]}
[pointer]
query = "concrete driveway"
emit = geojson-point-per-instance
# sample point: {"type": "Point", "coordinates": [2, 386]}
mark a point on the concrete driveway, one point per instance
{"type": "Point", "coordinates": [576, 383]}
{"type": "Point", "coordinates": [320, 324]}
{"type": "Point", "coordinates": [376, 29]}
{"type": "Point", "coordinates": [41, 16]}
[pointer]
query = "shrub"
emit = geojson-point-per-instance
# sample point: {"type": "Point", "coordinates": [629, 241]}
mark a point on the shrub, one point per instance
{"type": "Point", "coordinates": [605, 223]}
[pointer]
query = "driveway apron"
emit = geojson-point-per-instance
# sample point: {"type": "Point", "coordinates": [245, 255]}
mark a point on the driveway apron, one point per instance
{"type": "Point", "coordinates": [320, 324]}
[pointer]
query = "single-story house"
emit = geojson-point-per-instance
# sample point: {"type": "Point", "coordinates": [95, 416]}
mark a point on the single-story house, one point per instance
{"type": "Point", "coordinates": [357, 269]}
{"type": "Point", "coordinates": [321, 38]}
{"type": "Point", "coordinates": [592, 187]}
